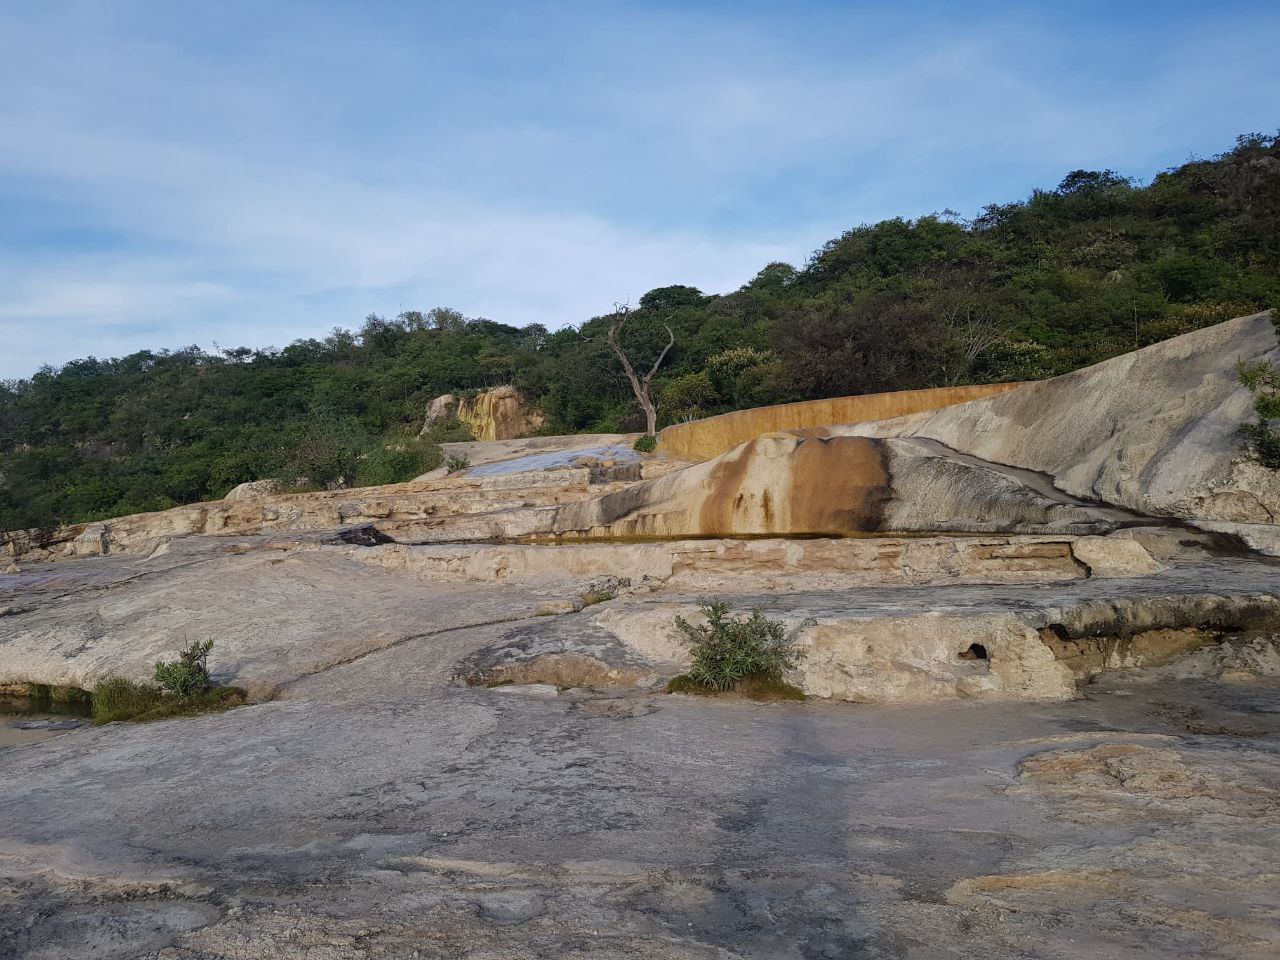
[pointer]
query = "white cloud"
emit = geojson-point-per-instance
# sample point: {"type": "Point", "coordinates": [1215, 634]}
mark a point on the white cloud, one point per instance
{"type": "Point", "coordinates": [264, 184]}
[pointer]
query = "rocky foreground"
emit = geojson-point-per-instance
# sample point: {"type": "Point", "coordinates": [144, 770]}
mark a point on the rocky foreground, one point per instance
{"type": "Point", "coordinates": [1040, 633]}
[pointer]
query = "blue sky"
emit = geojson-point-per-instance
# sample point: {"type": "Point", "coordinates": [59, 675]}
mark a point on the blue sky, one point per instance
{"type": "Point", "coordinates": [249, 173]}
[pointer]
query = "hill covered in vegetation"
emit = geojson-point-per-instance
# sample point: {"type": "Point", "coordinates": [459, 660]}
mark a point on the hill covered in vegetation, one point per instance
{"type": "Point", "coordinates": [1093, 268]}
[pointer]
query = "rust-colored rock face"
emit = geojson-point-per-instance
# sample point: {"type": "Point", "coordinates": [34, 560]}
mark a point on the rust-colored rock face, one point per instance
{"type": "Point", "coordinates": [780, 484]}
{"type": "Point", "coordinates": [705, 439]}
{"type": "Point", "coordinates": [817, 486]}
{"type": "Point", "coordinates": [499, 414]}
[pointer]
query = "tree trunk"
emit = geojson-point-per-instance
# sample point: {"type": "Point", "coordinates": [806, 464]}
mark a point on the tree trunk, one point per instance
{"type": "Point", "coordinates": [640, 386]}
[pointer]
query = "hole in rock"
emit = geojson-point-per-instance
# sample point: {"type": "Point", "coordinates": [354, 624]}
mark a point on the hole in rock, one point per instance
{"type": "Point", "coordinates": [976, 651]}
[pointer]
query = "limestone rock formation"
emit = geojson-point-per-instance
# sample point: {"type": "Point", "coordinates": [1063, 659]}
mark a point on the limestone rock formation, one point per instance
{"type": "Point", "coordinates": [1153, 430]}
{"type": "Point", "coordinates": [712, 436]}
{"type": "Point", "coordinates": [466, 746]}
{"type": "Point", "coordinates": [252, 489]}
{"type": "Point", "coordinates": [443, 407]}
{"type": "Point", "coordinates": [501, 413]}
{"type": "Point", "coordinates": [788, 485]}
{"type": "Point", "coordinates": [1148, 434]}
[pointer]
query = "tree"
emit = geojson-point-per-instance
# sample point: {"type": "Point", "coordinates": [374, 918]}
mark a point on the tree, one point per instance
{"type": "Point", "coordinates": [641, 386]}
{"type": "Point", "coordinates": [879, 344]}
{"type": "Point", "coordinates": [970, 328]}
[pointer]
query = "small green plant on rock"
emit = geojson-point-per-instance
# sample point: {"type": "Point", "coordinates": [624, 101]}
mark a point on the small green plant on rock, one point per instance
{"type": "Point", "coordinates": [1262, 381]}
{"type": "Point", "coordinates": [748, 655]}
{"type": "Point", "coordinates": [453, 463]}
{"type": "Point", "coordinates": [190, 674]}
{"type": "Point", "coordinates": [646, 444]}
{"type": "Point", "coordinates": [185, 688]}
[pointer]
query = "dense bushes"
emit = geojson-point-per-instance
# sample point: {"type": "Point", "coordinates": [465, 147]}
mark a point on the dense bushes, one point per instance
{"type": "Point", "coordinates": [1092, 268]}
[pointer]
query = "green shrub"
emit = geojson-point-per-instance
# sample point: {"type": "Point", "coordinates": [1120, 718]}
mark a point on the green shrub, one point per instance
{"type": "Point", "coordinates": [1262, 380]}
{"type": "Point", "coordinates": [190, 674]}
{"type": "Point", "coordinates": [397, 461]}
{"type": "Point", "coordinates": [451, 430]}
{"type": "Point", "coordinates": [728, 650]}
{"type": "Point", "coordinates": [646, 444]}
{"type": "Point", "coordinates": [119, 699]}
{"type": "Point", "coordinates": [690, 393]}
{"type": "Point", "coordinates": [453, 463]}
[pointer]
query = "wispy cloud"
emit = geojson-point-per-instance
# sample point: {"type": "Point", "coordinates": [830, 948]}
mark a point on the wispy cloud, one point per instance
{"type": "Point", "coordinates": [255, 173]}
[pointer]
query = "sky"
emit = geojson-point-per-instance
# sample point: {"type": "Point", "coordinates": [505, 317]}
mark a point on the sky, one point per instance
{"type": "Point", "coordinates": [247, 173]}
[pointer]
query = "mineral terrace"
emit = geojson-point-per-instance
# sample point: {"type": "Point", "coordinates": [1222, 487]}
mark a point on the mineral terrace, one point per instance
{"type": "Point", "coordinates": [1040, 624]}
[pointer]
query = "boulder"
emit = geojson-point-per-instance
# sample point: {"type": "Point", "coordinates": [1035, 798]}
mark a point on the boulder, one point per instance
{"type": "Point", "coordinates": [253, 489]}
{"type": "Point", "coordinates": [443, 407]}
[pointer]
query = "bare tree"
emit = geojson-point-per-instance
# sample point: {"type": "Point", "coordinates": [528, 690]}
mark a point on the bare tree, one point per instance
{"type": "Point", "coordinates": [641, 386]}
{"type": "Point", "coordinates": [972, 329]}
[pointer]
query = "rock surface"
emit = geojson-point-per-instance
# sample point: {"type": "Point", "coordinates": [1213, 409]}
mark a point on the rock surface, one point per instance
{"type": "Point", "coordinates": [501, 413]}
{"type": "Point", "coordinates": [710, 437]}
{"type": "Point", "coordinates": [1153, 430]}
{"type": "Point", "coordinates": [1062, 740]}
{"type": "Point", "coordinates": [253, 488]}
{"type": "Point", "coordinates": [884, 619]}
{"type": "Point", "coordinates": [805, 486]}
{"type": "Point", "coordinates": [378, 811]}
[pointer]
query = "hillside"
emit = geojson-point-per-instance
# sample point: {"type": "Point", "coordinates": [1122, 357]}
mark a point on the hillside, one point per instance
{"type": "Point", "coordinates": [1068, 277]}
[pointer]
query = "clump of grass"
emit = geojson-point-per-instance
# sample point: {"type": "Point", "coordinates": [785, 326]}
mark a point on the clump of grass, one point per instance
{"type": "Point", "coordinates": [765, 689]}
{"type": "Point", "coordinates": [592, 597]}
{"type": "Point", "coordinates": [454, 462]}
{"type": "Point", "coordinates": [645, 444]}
{"type": "Point", "coordinates": [43, 695]}
{"type": "Point", "coordinates": [602, 589]}
{"type": "Point", "coordinates": [117, 698]}
{"type": "Point", "coordinates": [745, 655]}
{"type": "Point", "coordinates": [686, 684]}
